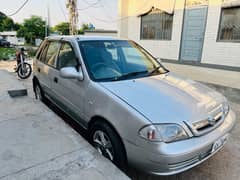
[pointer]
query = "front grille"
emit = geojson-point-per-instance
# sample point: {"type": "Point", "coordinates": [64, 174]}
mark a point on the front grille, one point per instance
{"type": "Point", "coordinates": [215, 118]}
{"type": "Point", "coordinates": [199, 126]}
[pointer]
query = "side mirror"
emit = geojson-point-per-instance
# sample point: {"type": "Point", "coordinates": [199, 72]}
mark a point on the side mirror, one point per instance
{"type": "Point", "coordinates": [71, 73]}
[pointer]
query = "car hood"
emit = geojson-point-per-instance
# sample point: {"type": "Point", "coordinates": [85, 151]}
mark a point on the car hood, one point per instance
{"type": "Point", "coordinates": [167, 98]}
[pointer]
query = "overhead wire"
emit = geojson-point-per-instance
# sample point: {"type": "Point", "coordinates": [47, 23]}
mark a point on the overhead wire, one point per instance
{"type": "Point", "coordinates": [19, 9]}
{"type": "Point", "coordinates": [106, 9]}
{"type": "Point", "coordinates": [115, 20]}
{"type": "Point", "coordinates": [61, 9]}
{"type": "Point", "coordinates": [90, 5]}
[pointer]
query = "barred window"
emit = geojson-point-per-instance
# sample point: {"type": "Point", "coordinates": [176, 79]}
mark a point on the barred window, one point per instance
{"type": "Point", "coordinates": [230, 24]}
{"type": "Point", "coordinates": [157, 25]}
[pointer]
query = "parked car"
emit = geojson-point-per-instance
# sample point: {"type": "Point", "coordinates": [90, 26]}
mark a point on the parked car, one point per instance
{"type": "Point", "coordinates": [136, 112]}
{"type": "Point", "coordinates": [4, 43]}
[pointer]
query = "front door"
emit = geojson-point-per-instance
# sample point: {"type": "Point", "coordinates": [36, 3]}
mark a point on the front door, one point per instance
{"type": "Point", "coordinates": [68, 93]}
{"type": "Point", "coordinates": [193, 33]}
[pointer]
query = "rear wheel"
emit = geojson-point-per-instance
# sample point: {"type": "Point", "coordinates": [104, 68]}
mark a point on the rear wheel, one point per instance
{"type": "Point", "coordinates": [39, 94]}
{"type": "Point", "coordinates": [108, 143]}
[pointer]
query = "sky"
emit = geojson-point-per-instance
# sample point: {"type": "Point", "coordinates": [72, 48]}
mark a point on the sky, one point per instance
{"type": "Point", "coordinates": [103, 15]}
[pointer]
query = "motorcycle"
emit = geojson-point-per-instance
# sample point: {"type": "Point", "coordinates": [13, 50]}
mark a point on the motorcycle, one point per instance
{"type": "Point", "coordinates": [23, 69]}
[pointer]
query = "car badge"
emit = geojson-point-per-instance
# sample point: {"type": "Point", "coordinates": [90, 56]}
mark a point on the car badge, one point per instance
{"type": "Point", "coordinates": [211, 120]}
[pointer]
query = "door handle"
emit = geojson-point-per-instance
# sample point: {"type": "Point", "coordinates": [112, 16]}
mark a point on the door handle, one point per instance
{"type": "Point", "coordinates": [39, 70]}
{"type": "Point", "coordinates": [55, 79]}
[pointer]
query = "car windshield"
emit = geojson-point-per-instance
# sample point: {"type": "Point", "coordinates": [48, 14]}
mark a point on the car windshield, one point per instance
{"type": "Point", "coordinates": [115, 60]}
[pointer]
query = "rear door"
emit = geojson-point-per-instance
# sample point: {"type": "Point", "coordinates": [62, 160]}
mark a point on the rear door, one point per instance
{"type": "Point", "coordinates": [46, 64]}
{"type": "Point", "coordinates": [42, 69]}
{"type": "Point", "coordinates": [69, 93]}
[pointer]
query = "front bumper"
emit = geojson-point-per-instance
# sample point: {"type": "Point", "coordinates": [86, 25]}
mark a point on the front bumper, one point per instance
{"type": "Point", "coordinates": [172, 158]}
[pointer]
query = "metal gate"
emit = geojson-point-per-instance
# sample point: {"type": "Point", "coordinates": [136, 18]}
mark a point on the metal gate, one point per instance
{"type": "Point", "coordinates": [193, 34]}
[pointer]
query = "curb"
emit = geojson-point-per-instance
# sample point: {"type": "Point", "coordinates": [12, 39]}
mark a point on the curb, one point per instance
{"type": "Point", "coordinates": [17, 93]}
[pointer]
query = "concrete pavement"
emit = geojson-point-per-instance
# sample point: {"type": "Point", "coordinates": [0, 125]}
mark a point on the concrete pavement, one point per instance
{"type": "Point", "coordinates": [224, 165]}
{"type": "Point", "coordinates": [224, 81]}
{"type": "Point", "coordinates": [208, 75]}
{"type": "Point", "coordinates": [36, 144]}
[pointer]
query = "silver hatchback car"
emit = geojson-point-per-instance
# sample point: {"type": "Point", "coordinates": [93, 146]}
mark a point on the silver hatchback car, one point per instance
{"type": "Point", "coordinates": [136, 112]}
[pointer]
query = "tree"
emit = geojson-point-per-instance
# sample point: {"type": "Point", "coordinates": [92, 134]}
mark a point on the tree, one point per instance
{"type": "Point", "coordinates": [62, 28]}
{"type": "Point", "coordinates": [7, 24]}
{"type": "Point", "coordinates": [85, 27]}
{"type": "Point", "coordinates": [32, 28]}
{"type": "Point", "coordinates": [22, 31]}
{"type": "Point", "coordinates": [17, 26]}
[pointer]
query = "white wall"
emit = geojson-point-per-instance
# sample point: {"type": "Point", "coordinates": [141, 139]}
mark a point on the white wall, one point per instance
{"type": "Point", "coordinates": [123, 20]}
{"type": "Point", "coordinates": [131, 30]}
{"type": "Point", "coordinates": [21, 41]}
{"type": "Point", "coordinates": [12, 40]}
{"type": "Point", "coordinates": [100, 34]}
{"type": "Point", "coordinates": [222, 53]}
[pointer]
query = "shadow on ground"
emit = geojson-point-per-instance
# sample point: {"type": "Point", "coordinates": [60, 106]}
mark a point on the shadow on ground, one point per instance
{"type": "Point", "coordinates": [224, 165]}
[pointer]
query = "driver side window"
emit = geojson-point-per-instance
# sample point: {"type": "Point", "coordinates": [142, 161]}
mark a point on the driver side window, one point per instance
{"type": "Point", "coordinates": [66, 57]}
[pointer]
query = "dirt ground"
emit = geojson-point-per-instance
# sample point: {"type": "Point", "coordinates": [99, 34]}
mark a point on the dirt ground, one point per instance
{"type": "Point", "coordinates": [8, 65]}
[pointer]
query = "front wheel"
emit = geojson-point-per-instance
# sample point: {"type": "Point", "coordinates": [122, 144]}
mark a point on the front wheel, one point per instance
{"type": "Point", "coordinates": [108, 144]}
{"type": "Point", "coordinates": [24, 71]}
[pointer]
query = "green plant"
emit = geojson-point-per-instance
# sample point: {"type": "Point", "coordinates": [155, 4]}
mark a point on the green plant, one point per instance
{"type": "Point", "coordinates": [7, 53]}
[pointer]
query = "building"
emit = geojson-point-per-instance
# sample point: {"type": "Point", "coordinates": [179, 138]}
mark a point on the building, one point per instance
{"type": "Point", "coordinates": [11, 36]}
{"type": "Point", "coordinates": [99, 32]}
{"type": "Point", "coordinates": [185, 31]}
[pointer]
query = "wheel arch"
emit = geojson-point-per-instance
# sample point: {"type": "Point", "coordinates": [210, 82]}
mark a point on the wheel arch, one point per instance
{"type": "Point", "coordinates": [35, 81]}
{"type": "Point", "coordinates": [97, 118]}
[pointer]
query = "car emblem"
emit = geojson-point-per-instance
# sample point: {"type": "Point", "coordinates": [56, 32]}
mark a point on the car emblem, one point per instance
{"type": "Point", "coordinates": [211, 120]}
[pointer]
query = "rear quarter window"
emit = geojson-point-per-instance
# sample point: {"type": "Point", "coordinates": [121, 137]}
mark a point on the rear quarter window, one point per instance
{"type": "Point", "coordinates": [40, 49]}
{"type": "Point", "coordinates": [43, 54]}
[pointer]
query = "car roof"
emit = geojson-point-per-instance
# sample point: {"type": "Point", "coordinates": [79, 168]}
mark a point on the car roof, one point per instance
{"type": "Point", "coordinates": [83, 38]}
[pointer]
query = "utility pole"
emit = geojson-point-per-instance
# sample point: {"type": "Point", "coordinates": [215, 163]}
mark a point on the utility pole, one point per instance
{"type": "Point", "coordinates": [47, 23]}
{"type": "Point", "coordinates": [73, 16]}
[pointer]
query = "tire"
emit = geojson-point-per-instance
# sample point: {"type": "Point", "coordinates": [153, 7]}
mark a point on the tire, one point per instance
{"type": "Point", "coordinates": [24, 75]}
{"type": "Point", "coordinates": [39, 93]}
{"type": "Point", "coordinates": [116, 147]}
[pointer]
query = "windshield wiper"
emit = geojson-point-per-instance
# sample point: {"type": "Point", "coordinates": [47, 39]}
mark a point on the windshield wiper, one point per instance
{"type": "Point", "coordinates": [128, 75]}
{"type": "Point", "coordinates": [156, 69]}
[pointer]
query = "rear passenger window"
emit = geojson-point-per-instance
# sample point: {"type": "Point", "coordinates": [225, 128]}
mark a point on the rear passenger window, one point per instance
{"type": "Point", "coordinates": [40, 50]}
{"type": "Point", "coordinates": [52, 53]}
{"type": "Point", "coordinates": [43, 53]}
{"type": "Point", "coordinates": [66, 57]}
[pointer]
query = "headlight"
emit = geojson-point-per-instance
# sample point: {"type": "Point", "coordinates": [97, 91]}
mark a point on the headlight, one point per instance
{"type": "Point", "coordinates": [163, 132]}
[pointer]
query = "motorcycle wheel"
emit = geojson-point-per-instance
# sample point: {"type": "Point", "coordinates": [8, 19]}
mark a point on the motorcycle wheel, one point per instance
{"type": "Point", "coordinates": [24, 71]}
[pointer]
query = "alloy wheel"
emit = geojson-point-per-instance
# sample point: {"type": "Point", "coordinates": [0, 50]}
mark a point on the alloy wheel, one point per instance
{"type": "Point", "coordinates": [38, 93]}
{"type": "Point", "coordinates": [103, 144]}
